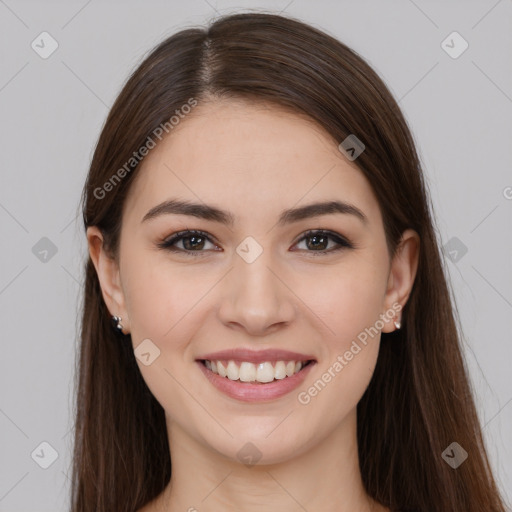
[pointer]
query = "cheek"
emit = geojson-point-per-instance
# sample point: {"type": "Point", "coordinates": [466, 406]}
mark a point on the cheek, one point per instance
{"type": "Point", "coordinates": [160, 302]}
{"type": "Point", "coordinates": [349, 303]}
{"type": "Point", "coordinates": [159, 296]}
{"type": "Point", "coordinates": [350, 309]}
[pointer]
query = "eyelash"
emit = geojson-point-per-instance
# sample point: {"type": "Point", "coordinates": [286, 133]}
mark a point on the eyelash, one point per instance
{"type": "Point", "coordinates": [168, 243]}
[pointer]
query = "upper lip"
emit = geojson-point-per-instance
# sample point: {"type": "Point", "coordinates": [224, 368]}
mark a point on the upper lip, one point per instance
{"type": "Point", "coordinates": [255, 356]}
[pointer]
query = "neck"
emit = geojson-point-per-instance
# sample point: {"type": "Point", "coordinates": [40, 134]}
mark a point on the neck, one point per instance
{"type": "Point", "coordinates": [324, 477]}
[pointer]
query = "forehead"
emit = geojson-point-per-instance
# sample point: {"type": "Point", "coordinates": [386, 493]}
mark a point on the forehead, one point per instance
{"type": "Point", "coordinates": [247, 157]}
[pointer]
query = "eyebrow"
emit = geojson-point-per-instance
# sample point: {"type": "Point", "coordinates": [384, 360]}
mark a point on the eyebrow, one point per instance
{"type": "Point", "coordinates": [212, 213]}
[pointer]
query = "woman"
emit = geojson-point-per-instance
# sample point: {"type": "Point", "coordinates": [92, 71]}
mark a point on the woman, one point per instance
{"type": "Point", "coordinates": [260, 235]}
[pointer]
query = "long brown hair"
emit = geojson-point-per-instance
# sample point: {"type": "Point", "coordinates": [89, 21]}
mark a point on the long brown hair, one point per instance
{"type": "Point", "coordinates": [419, 399]}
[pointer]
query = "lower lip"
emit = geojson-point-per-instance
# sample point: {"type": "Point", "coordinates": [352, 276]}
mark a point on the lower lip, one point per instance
{"type": "Point", "coordinates": [247, 392]}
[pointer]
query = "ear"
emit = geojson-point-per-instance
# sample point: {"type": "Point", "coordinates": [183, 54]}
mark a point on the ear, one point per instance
{"type": "Point", "coordinates": [401, 276]}
{"type": "Point", "coordinates": [107, 269]}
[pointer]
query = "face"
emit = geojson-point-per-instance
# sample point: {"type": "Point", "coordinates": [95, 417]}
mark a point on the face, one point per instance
{"type": "Point", "coordinates": [259, 283]}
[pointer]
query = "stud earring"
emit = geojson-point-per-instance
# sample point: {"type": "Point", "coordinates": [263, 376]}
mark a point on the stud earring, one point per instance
{"type": "Point", "coordinates": [397, 324]}
{"type": "Point", "coordinates": [116, 322]}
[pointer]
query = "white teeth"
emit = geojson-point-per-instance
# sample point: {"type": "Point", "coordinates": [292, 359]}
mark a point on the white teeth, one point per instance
{"type": "Point", "coordinates": [247, 372]}
{"type": "Point", "coordinates": [250, 372]}
{"type": "Point", "coordinates": [265, 372]}
{"type": "Point", "coordinates": [280, 370]}
{"type": "Point", "coordinates": [233, 372]}
{"type": "Point", "coordinates": [221, 370]}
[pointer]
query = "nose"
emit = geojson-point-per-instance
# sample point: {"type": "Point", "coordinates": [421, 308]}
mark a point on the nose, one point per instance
{"type": "Point", "coordinates": [255, 297]}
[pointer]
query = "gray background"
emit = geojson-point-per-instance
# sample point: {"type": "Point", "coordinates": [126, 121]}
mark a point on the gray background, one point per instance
{"type": "Point", "coordinates": [52, 111]}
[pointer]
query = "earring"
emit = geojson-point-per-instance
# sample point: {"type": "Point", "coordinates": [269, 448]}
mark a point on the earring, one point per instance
{"type": "Point", "coordinates": [116, 322]}
{"type": "Point", "coordinates": [397, 324]}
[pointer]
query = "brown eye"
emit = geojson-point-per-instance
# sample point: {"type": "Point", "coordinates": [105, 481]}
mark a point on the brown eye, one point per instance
{"type": "Point", "coordinates": [195, 242]}
{"type": "Point", "coordinates": [191, 241]}
{"type": "Point", "coordinates": [318, 241]}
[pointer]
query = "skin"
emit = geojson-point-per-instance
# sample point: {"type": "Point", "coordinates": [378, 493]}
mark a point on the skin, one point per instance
{"type": "Point", "coordinates": [255, 161]}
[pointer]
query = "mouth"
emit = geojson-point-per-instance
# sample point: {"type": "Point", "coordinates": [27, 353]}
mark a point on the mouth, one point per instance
{"type": "Point", "coordinates": [246, 372]}
{"type": "Point", "coordinates": [261, 381]}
